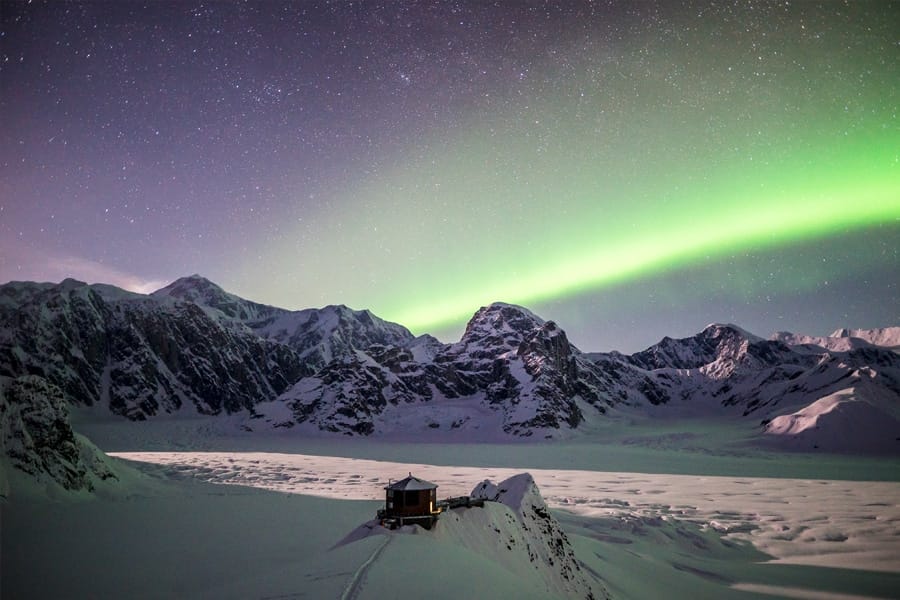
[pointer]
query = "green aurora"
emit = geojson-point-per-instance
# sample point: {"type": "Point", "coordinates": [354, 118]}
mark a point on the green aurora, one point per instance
{"type": "Point", "coordinates": [775, 207]}
{"type": "Point", "coordinates": [650, 159]}
{"type": "Point", "coordinates": [627, 169]}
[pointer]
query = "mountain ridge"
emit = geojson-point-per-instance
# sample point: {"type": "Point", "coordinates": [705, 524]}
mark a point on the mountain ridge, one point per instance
{"type": "Point", "coordinates": [193, 348]}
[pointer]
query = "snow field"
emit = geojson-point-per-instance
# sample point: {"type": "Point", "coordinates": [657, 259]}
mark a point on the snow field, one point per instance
{"type": "Point", "coordinates": [827, 523]}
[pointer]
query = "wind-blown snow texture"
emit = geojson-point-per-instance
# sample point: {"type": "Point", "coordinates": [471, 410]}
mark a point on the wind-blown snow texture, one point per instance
{"type": "Point", "coordinates": [192, 348]}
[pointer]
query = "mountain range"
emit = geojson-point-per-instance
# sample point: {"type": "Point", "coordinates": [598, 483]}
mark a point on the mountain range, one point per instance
{"type": "Point", "coordinates": [193, 348]}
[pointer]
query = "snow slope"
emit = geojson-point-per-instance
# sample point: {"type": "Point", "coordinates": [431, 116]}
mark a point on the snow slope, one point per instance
{"type": "Point", "coordinates": [513, 536]}
{"type": "Point", "coordinates": [844, 340]}
{"type": "Point", "coordinates": [845, 421]}
{"type": "Point", "coordinates": [641, 535]}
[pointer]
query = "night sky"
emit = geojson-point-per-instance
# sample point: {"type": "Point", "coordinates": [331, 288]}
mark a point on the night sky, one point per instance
{"type": "Point", "coordinates": [629, 170]}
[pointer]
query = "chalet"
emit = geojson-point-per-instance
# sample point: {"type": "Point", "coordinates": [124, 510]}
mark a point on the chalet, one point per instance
{"type": "Point", "coordinates": [410, 501]}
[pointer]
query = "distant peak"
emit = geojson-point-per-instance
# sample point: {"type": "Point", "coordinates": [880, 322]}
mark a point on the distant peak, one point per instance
{"type": "Point", "coordinates": [69, 283]}
{"type": "Point", "coordinates": [714, 328]}
{"type": "Point", "coordinates": [195, 278]}
{"type": "Point", "coordinates": [191, 287]}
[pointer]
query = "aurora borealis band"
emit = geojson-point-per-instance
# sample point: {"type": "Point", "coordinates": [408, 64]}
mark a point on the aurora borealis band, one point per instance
{"type": "Point", "coordinates": [630, 171]}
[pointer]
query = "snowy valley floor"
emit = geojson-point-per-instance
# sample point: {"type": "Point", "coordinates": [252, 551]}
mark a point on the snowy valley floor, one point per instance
{"type": "Point", "coordinates": [713, 522]}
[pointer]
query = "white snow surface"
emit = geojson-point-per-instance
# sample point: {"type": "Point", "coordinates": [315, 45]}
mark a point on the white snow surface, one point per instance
{"type": "Point", "coordinates": [172, 529]}
{"type": "Point", "coordinates": [843, 421]}
{"type": "Point", "coordinates": [786, 518]}
{"type": "Point", "coordinates": [843, 340]}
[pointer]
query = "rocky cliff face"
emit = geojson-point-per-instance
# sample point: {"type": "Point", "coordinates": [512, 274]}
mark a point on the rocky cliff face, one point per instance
{"type": "Point", "coordinates": [320, 335]}
{"type": "Point", "coordinates": [139, 356]}
{"type": "Point", "coordinates": [37, 439]}
{"type": "Point", "coordinates": [189, 347]}
{"type": "Point", "coordinates": [724, 367]}
{"type": "Point", "coordinates": [528, 529]}
{"type": "Point", "coordinates": [509, 363]}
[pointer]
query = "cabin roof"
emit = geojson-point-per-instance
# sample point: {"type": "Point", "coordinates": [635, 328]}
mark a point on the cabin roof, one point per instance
{"type": "Point", "coordinates": [411, 483]}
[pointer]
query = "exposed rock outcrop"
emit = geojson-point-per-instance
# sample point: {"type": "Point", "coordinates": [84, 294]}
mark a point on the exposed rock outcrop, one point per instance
{"type": "Point", "coordinates": [37, 439]}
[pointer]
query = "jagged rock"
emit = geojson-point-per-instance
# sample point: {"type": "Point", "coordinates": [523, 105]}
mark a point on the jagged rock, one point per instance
{"type": "Point", "coordinates": [320, 335]}
{"type": "Point", "coordinates": [509, 362]}
{"type": "Point", "coordinates": [544, 539]}
{"type": "Point", "coordinates": [37, 438]}
{"type": "Point", "coordinates": [137, 355]}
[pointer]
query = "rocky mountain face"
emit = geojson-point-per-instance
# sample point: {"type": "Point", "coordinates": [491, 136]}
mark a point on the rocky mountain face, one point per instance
{"type": "Point", "coordinates": [724, 366]}
{"type": "Point", "coordinates": [529, 530]}
{"type": "Point", "coordinates": [316, 335]}
{"type": "Point", "coordinates": [137, 355]}
{"type": "Point", "coordinates": [320, 335]}
{"type": "Point", "coordinates": [194, 347]}
{"type": "Point", "coordinates": [190, 344]}
{"type": "Point", "coordinates": [36, 436]}
{"type": "Point", "coordinates": [509, 364]}
{"type": "Point", "coordinates": [189, 347]}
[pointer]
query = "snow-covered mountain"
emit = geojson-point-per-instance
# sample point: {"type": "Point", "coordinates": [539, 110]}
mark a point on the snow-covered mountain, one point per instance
{"type": "Point", "coordinates": [319, 335]}
{"type": "Point", "coordinates": [840, 393]}
{"type": "Point", "coordinates": [724, 366]}
{"type": "Point", "coordinates": [193, 348]}
{"type": "Point", "coordinates": [137, 355]}
{"type": "Point", "coordinates": [188, 348]}
{"type": "Point", "coordinates": [36, 437]}
{"type": "Point", "coordinates": [510, 371]}
{"type": "Point", "coordinates": [843, 340]}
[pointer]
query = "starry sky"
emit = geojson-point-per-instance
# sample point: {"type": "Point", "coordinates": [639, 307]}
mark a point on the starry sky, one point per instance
{"type": "Point", "coordinates": [629, 170]}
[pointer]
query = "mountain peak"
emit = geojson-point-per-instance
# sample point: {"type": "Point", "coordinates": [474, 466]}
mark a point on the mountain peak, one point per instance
{"type": "Point", "coordinates": [719, 329]}
{"type": "Point", "coordinates": [503, 316]}
{"type": "Point", "coordinates": [70, 283]}
{"type": "Point", "coordinates": [181, 287]}
{"type": "Point", "coordinates": [208, 295]}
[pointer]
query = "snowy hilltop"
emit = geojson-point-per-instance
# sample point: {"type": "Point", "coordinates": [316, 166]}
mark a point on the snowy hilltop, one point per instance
{"type": "Point", "coordinates": [193, 349]}
{"type": "Point", "coordinates": [514, 536]}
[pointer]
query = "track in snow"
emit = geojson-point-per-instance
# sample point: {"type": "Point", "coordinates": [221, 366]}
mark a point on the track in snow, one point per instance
{"type": "Point", "coordinates": [359, 577]}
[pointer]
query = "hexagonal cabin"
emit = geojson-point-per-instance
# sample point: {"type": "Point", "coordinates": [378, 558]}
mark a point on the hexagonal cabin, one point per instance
{"type": "Point", "coordinates": [410, 500]}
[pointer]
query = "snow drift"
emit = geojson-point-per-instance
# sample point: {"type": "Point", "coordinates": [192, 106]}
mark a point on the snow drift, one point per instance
{"type": "Point", "coordinates": [845, 421]}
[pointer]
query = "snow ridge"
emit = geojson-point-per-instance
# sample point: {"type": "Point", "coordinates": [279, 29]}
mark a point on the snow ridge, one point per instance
{"type": "Point", "coordinates": [513, 531]}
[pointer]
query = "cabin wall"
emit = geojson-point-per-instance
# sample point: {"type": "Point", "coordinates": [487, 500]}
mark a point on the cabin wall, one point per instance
{"type": "Point", "coordinates": [407, 503]}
